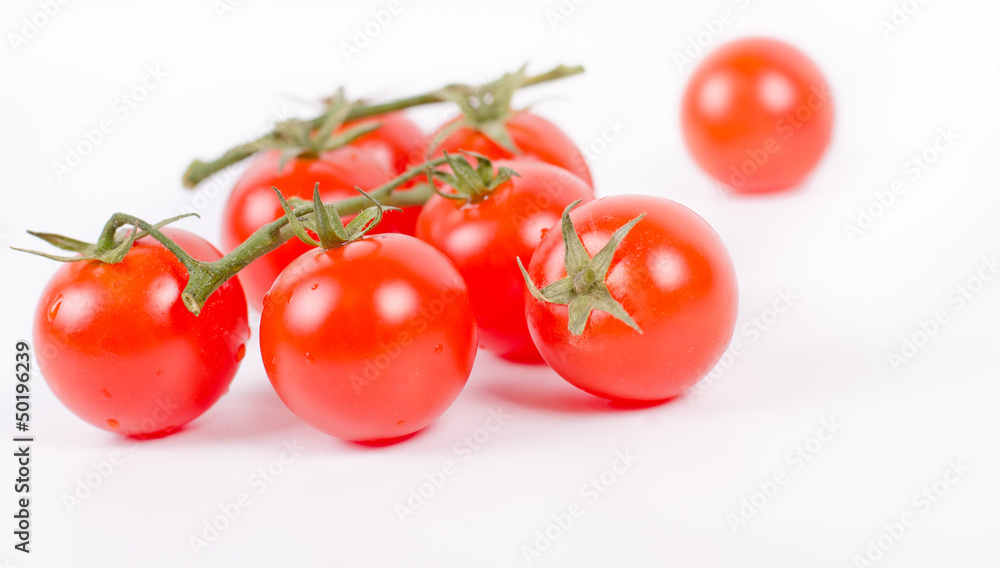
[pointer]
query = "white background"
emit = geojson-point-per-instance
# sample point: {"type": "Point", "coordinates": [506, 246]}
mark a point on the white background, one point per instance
{"type": "Point", "coordinates": [695, 458]}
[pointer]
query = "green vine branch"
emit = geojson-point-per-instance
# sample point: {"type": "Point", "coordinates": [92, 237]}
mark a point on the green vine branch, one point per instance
{"type": "Point", "coordinates": [200, 170]}
{"type": "Point", "coordinates": [206, 277]}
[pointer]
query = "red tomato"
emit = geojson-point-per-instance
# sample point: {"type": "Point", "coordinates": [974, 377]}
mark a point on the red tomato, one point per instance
{"type": "Point", "coordinates": [534, 136]}
{"type": "Point", "coordinates": [369, 341]}
{"type": "Point", "coordinates": [671, 273]}
{"type": "Point", "coordinates": [253, 204]}
{"type": "Point", "coordinates": [397, 144]}
{"type": "Point", "coordinates": [484, 240]}
{"type": "Point", "coordinates": [117, 346]}
{"type": "Point", "coordinates": [757, 115]}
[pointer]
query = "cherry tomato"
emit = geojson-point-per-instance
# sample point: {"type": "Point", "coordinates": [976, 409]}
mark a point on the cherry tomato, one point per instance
{"type": "Point", "coordinates": [397, 144]}
{"type": "Point", "coordinates": [673, 276]}
{"type": "Point", "coordinates": [535, 137]}
{"type": "Point", "coordinates": [484, 240]}
{"type": "Point", "coordinates": [253, 204]}
{"type": "Point", "coordinates": [369, 341]}
{"type": "Point", "coordinates": [117, 346]}
{"type": "Point", "coordinates": [757, 115]}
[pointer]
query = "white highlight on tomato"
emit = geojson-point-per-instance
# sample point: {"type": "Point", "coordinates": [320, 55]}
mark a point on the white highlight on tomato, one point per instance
{"type": "Point", "coordinates": [395, 302]}
{"type": "Point", "coordinates": [667, 269]}
{"type": "Point", "coordinates": [777, 92]}
{"type": "Point", "coordinates": [716, 95]}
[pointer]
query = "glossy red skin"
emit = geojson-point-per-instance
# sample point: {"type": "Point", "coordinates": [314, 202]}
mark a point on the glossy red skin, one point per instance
{"type": "Point", "coordinates": [485, 239]}
{"type": "Point", "coordinates": [119, 349]}
{"type": "Point", "coordinates": [397, 144]}
{"type": "Point", "coordinates": [534, 136]}
{"type": "Point", "coordinates": [370, 341]}
{"type": "Point", "coordinates": [742, 131]}
{"type": "Point", "coordinates": [253, 204]}
{"type": "Point", "coordinates": [674, 276]}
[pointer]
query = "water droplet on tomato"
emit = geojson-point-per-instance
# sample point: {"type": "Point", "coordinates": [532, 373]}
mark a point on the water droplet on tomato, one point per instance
{"type": "Point", "coordinates": [241, 352]}
{"type": "Point", "coordinates": [439, 348]}
{"type": "Point", "coordinates": [400, 423]}
{"type": "Point", "coordinates": [310, 357]}
{"type": "Point", "coordinates": [54, 308]}
{"type": "Point", "coordinates": [314, 286]}
{"type": "Point", "coordinates": [112, 423]}
{"type": "Point", "coordinates": [105, 393]}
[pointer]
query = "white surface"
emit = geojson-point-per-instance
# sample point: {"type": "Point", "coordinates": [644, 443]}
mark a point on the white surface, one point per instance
{"type": "Point", "coordinates": [697, 457]}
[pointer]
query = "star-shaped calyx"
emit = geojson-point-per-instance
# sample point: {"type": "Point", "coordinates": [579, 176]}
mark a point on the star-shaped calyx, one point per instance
{"type": "Point", "coordinates": [583, 289]}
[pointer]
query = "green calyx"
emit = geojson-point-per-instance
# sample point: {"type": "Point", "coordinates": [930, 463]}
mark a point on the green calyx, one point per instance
{"type": "Point", "coordinates": [583, 289]}
{"type": "Point", "coordinates": [472, 184]}
{"type": "Point", "coordinates": [326, 221]}
{"type": "Point", "coordinates": [486, 107]}
{"type": "Point", "coordinates": [297, 138]}
{"type": "Point", "coordinates": [111, 246]}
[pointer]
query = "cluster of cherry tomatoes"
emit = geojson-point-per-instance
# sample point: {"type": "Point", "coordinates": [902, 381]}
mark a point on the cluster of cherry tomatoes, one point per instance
{"type": "Point", "coordinates": [371, 337]}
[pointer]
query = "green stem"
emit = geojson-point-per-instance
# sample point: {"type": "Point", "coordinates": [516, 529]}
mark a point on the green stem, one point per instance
{"type": "Point", "coordinates": [206, 277]}
{"type": "Point", "coordinates": [393, 106]}
{"type": "Point", "coordinates": [119, 220]}
{"type": "Point", "coordinates": [198, 171]}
